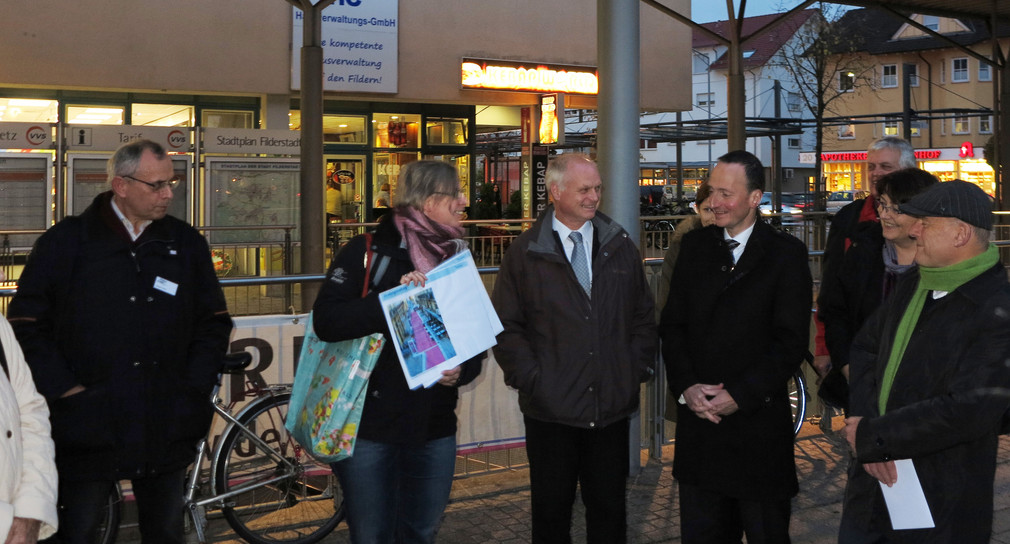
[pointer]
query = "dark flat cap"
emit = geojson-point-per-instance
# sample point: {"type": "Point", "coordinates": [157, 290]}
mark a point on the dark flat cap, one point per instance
{"type": "Point", "coordinates": [958, 199]}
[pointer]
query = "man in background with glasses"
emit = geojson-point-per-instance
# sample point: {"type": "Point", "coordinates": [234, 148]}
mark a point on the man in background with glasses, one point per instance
{"type": "Point", "coordinates": [124, 325]}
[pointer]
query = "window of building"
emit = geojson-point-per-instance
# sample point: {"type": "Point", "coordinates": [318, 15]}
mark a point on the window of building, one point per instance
{"type": "Point", "coordinates": [985, 125]}
{"type": "Point", "coordinates": [847, 132]}
{"type": "Point", "coordinates": [959, 70]}
{"type": "Point", "coordinates": [395, 130]}
{"type": "Point", "coordinates": [917, 127]}
{"type": "Point", "coordinates": [794, 102]}
{"type": "Point", "coordinates": [846, 81]}
{"type": "Point", "coordinates": [891, 127]}
{"type": "Point", "coordinates": [793, 143]}
{"type": "Point", "coordinates": [701, 62]}
{"type": "Point", "coordinates": [344, 129]}
{"type": "Point", "coordinates": [28, 110]}
{"type": "Point", "coordinates": [889, 76]}
{"type": "Point", "coordinates": [227, 119]}
{"type": "Point", "coordinates": [446, 130]}
{"type": "Point", "coordinates": [984, 71]}
{"type": "Point", "coordinates": [705, 100]}
{"type": "Point", "coordinates": [931, 22]}
{"type": "Point", "coordinates": [961, 125]}
{"type": "Point", "coordinates": [162, 115]}
{"type": "Point", "coordinates": [646, 144]}
{"type": "Point", "coordinates": [95, 115]}
{"type": "Point", "coordinates": [913, 75]}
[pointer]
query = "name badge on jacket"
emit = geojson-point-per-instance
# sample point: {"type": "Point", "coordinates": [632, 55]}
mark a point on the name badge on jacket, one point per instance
{"type": "Point", "coordinates": [165, 286]}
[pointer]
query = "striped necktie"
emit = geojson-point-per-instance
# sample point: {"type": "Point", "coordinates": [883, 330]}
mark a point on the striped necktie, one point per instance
{"type": "Point", "coordinates": [580, 264]}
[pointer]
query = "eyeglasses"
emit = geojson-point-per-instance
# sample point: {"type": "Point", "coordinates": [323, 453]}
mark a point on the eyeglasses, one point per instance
{"type": "Point", "coordinates": [157, 186]}
{"type": "Point", "coordinates": [881, 208]}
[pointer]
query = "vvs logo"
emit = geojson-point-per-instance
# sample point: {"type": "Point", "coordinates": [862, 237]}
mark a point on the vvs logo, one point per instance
{"type": "Point", "coordinates": [36, 135]}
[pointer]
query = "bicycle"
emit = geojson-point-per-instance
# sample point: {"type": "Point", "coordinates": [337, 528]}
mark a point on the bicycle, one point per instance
{"type": "Point", "coordinates": [658, 234]}
{"type": "Point", "coordinates": [798, 400]}
{"type": "Point", "coordinates": [265, 485]}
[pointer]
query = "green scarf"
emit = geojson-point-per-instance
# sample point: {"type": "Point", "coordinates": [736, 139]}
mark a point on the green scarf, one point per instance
{"type": "Point", "coordinates": [947, 279]}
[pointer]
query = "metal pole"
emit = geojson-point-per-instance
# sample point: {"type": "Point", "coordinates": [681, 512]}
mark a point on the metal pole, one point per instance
{"type": "Point", "coordinates": [906, 101]}
{"type": "Point", "coordinates": [313, 224]}
{"type": "Point", "coordinates": [736, 117]}
{"type": "Point", "coordinates": [618, 55]}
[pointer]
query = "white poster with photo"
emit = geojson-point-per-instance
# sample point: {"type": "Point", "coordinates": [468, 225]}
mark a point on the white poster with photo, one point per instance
{"type": "Point", "coordinates": [442, 324]}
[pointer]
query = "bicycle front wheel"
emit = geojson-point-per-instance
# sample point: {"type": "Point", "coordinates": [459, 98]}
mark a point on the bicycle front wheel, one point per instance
{"type": "Point", "coordinates": [798, 400]}
{"type": "Point", "coordinates": [283, 495]}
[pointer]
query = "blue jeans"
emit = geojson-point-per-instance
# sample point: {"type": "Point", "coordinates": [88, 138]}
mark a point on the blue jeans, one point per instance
{"type": "Point", "coordinates": [396, 493]}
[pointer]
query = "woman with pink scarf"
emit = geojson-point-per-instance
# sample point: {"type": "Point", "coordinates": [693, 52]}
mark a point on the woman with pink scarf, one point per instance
{"type": "Point", "coordinates": [397, 483]}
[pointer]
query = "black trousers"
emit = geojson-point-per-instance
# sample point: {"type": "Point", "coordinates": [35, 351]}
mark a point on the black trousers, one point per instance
{"type": "Point", "coordinates": [562, 457]}
{"type": "Point", "coordinates": [708, 517]}
{"type": "Point", "coordinates": [159, 508]}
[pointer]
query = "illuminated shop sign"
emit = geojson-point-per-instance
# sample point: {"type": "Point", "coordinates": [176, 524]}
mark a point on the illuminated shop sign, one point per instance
{"type": "Point", "coordinates": [531, 77]}
{"type": "Point", "coordinates": [924, 155]}
{"type": "Point", "coordinates": [967, 151]}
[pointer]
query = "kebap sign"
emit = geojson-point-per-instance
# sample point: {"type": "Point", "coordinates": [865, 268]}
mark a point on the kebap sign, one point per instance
{"type": "Point", "coordinates": [360, 40]}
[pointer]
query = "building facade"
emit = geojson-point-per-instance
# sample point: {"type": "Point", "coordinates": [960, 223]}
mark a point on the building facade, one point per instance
{"type": "Point", "coordinates": [220, 79]}
{"type": "Point", "coordinates": [949, 90]}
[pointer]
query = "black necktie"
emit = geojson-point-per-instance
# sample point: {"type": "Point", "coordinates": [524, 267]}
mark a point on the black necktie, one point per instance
{"type": "Point", "coordinates": [732, 244]}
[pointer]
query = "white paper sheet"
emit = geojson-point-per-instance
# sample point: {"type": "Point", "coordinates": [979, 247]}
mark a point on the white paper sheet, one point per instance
{"type": "Point", "coordinates": [439, 326]}
{"type": "Point", "coordinates": [905, 500]}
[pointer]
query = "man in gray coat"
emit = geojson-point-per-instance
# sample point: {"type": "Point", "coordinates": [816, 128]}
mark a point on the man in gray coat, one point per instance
{"type": "Point", "coordinates": [579, 339]}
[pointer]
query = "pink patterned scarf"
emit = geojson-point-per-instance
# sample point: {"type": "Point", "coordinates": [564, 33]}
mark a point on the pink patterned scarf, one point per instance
{"type": "Point", "coordinates": [428, 242]}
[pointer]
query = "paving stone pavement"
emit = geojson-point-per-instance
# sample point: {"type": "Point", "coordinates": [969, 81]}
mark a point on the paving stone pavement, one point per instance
{"type": "Point", "coordinates": [495, 508]}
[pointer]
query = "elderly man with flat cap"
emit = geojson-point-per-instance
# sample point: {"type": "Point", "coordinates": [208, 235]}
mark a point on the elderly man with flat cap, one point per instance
{"type": "Point", "coordinates": [930, 382]}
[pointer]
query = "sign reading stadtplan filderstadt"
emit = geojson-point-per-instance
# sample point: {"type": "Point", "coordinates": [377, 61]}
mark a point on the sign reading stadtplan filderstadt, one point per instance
{"type": "Point", "coordinates": [360, 43]}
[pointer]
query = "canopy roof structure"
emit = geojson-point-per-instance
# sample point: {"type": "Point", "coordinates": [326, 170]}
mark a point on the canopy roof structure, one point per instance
{"type": "Point", "coordinates": [979, 9]}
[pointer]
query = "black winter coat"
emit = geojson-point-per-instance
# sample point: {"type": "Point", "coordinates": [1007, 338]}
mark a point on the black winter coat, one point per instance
{"type": "Point", "coordinates": [89, 311]}
{"type": "Point", "coordinates": [946, 403]}
{"type": "Point", "coordinates": [853, 291]}
{"type": "Point", "coordinates": [746, 327]}
{"type": "Point", "coordinates": [575, 361]}
{"type": "Point", "coordinates": [393, 413]}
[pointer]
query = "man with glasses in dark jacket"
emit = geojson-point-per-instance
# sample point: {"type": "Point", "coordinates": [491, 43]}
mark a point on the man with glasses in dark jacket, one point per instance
{"type": "Point", "coordinates": [124, 326]}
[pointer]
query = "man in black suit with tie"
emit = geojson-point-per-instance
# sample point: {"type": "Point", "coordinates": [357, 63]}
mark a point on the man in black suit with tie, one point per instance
{"type": "Point", "coordinates": [734, 329]}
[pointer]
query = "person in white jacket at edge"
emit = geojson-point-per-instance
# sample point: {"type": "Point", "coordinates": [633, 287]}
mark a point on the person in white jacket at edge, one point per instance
{"type": "Point", "coordinates": [27, 455]}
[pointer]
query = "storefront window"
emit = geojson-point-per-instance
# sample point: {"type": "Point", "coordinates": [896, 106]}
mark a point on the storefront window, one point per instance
{"type": "Point", "coordinates": [462, 164]}
{"type": "Point", "coordinates": [943, 170]}
{"type": "Point", "coordinates": [163, 115]}
{"type": "Point", "coordinates": [386, 168]}
{"type": "Point", "coordinates": [226, 119]}
{"type": "Point", "coordinates": [95, 115]}
{"type": "Point", "coordinates": [843, 176]}
{"type": "Point", "coordinates": [27, 110]}
{"type": "Point", "coordinates": [446, 131]}
{"type": "Point", "coordinates": [980, 173]}
{"type": "Point", "coordinates": [344, 129]}
{"type": "Point", "coordinates": [395, 130]}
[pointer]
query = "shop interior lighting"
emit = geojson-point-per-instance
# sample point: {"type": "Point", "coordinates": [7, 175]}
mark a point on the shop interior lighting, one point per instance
{"type": "Point", "coordinates": [29, 103]}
